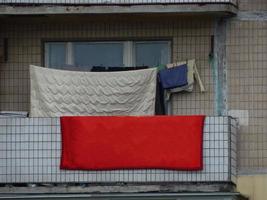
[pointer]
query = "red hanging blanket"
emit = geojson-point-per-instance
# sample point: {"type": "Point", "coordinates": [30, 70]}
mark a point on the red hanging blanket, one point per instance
{"type": "Point", "coordinates": [126, 142]}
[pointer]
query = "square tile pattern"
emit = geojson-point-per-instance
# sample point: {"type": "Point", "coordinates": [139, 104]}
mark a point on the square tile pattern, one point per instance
{"type": "Point", "coordinates": [30, 150]}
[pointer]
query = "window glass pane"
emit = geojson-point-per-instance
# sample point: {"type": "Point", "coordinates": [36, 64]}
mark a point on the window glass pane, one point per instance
{"type": "Point", "coordinates": [152, 53]}
{"type": "Point", "coordinates": [55, 54]}
{"type": "Point", "coordinates": [98, 54]}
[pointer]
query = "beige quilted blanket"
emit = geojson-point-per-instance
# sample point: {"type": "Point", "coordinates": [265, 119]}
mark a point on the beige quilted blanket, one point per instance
{"type": "Point", "coordinates": [56, 93]}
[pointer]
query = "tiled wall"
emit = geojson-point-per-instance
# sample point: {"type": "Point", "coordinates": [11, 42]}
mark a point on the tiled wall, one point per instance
{"type": "Point", "coordinates": [247, 50]}
{"type": "Point", "coordinates": [247, 85]}
{"type": "Point", "coordinates": [252, 5]}
{"type": "Point", "coordinates": [191, 39]}
{"type": "Point", "coordinates": [30, 153]}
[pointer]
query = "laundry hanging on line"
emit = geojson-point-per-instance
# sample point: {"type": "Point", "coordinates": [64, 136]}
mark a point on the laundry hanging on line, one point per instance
{"type": "Point", "coordinates": [143, 142]}
{"type": "Point", "coordinates": [159, 102]}
{"type": "Point", "coordinates": [192, 74]}
{"type": "Point", "coordinates": [184, 81]}
{"type": "Point", "coordinates": [57, 93]}
{"type": "Point", "coordinates": [173, 77]}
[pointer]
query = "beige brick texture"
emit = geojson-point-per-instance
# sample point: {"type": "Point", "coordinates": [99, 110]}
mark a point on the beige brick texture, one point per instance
{"type": "Point", "coordinates": [246, 56]}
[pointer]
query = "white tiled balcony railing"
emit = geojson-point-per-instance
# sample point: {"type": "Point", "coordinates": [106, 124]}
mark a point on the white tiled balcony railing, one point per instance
{"type": "Point", "coordinates": [30, 151]}
{"type": "Point", "coordinates": [114, 1]}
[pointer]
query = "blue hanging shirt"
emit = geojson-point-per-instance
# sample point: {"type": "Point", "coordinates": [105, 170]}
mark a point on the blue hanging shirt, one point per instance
{"type": "Point", "coordinates": [173, 77]}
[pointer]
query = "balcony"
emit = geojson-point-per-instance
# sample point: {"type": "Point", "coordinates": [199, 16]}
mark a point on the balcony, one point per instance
{"type": "Point", "coordinates": [46, 7]}
{"type": "Point", "coordinates": [30, 153]}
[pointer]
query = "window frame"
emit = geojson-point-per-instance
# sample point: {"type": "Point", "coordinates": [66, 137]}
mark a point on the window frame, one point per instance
{"type": "Point", "coordinates": [128, 49]}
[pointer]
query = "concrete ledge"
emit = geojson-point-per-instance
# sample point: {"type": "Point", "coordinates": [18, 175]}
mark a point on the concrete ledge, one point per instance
{"type": "Point", "coordinates": [119, 188]}
{"type": "Point", "coordinates": [150, 196]}
{"type": "Point", "coordinates": [221, 9]}
{"type": "Point", "coordinates": [251, 16]}
{"type": "Point", "coordinates": [252, 172]}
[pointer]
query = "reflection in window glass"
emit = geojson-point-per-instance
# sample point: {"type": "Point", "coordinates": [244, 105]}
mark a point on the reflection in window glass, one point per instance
{"type": "Point", "coordinates": [71, 55]}
{"type": "Point", "coordinates": [98, 54]}
{"type": "Point", "coordinates": [55, 54]}
{"type": "Point", "coordinates": [151, 53]}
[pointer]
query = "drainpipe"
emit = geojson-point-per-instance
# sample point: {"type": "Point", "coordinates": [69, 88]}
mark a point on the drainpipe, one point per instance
{"type": "Point", "coordinates": [217, 60]}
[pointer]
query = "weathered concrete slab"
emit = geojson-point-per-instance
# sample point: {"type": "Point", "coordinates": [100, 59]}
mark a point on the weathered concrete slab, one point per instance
{"type": "Point", "coordinates": [134, 196]}
{"type": "Point", "coordinates": [222, 9]}
{"type": "Point", "coordinates": [121, 188]}
{"type": "Point", "coordinates": [251, 16]}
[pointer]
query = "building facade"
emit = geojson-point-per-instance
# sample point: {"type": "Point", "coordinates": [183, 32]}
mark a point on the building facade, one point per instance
{"type": "Point", "coordinates": [228, 40]}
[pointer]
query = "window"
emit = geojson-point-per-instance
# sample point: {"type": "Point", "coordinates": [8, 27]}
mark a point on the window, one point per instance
{"type": "Point", "coordinates": [55, 54]}
{"type": "Point", "coordinates": [151, 53]}
{"type": "Point", "coordinates": [108, 54]}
